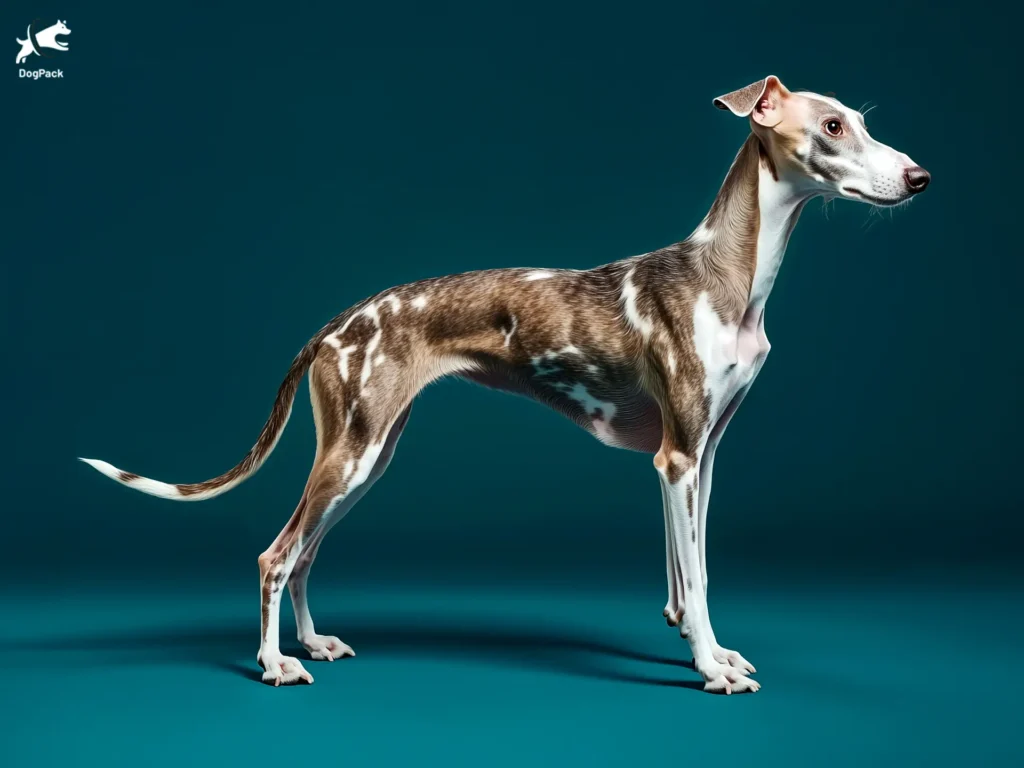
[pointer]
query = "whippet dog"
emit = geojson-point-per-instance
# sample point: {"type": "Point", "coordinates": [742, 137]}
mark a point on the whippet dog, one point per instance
{"type": "Point", "coordinates": [653, 353]}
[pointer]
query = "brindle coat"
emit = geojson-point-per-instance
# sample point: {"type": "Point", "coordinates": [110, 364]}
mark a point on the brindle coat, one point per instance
{"type": "Point", "coordinates": [653, 353]}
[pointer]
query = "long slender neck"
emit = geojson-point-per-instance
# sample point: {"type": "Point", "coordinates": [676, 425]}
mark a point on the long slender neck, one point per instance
{"type": "Point", "coordinates": [741, 242]}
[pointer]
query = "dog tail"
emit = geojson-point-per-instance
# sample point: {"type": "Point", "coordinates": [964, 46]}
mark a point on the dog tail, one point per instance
{"type": "Point", "coordinates": [253, 460]}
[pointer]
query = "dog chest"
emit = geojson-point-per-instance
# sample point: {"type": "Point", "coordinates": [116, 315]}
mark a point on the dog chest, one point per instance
{"type": "Point", "coordinates": [729, 353]}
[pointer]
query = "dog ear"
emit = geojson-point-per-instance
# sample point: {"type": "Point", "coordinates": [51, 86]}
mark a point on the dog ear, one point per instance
{"type": "Point", "coordinates": [760, 101]}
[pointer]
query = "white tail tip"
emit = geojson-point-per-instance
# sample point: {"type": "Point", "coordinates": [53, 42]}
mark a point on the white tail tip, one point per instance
{"type": "Point", "coordinates": [101, 466]}
{"type": "Point", "coordinates": [144, 484]}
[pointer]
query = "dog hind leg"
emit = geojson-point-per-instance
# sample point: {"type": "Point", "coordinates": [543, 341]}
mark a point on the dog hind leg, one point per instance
{"type": "Point", "coordinates": [328, 647]}
{"type": "Point", "coordinates": [359, 396]}
{"type": "Point", "coordinates": [336, 478]}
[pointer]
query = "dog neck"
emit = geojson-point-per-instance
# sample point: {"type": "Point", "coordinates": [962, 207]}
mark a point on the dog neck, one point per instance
{"type": "Point", "coordinates": [740, 243]}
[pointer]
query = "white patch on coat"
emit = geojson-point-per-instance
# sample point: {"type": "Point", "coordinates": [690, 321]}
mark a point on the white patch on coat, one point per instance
{"type": "Point", "coordinates": [420, 302]}
{"type": "Point", "coordinates": [713, 341]}
{"type": "Point", "coordinates": [341, 331]}
{"type": "Point", "coordinates": [538, 274]}
{"type": "Point", "coordinates": [600, 412]}
{"type": "Point", "coordinates": [343, 353]}
{"type": "Point", "coordinates": [730, 355]}
{"type": "Point", "coordinates": [703, 234]}
{"type": "Point", "coordinates": [544, 364]}
{"type": "Point", "coordinates": [371, 312]}
{"type": "Point", "coordinates": [343, 361]}
{"type": "Point", "coordinates": [633, 316]}
{"type": "Point", "coordinates": [671, 363]}
{"type": "Point", "coordinates": [396, 303]}
{"type": "Point", "coordinates": [371, 347]}
{"type": "Point", "coordinates": [778, 203]}
{"type": "Point", "coordinates": [508, 334]}
{"type": "Point", "coordinates": [365, 464]}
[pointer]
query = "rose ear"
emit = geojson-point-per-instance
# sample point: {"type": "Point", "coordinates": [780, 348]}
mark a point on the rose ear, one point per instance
{"type": "Point", "coordinates": [760, 101]}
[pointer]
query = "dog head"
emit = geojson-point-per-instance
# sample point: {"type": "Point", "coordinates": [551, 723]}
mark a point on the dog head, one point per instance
{"type": "Point", "coordinates": [824, 146]}
{"type": "Point", "coordinates": [60, 28]}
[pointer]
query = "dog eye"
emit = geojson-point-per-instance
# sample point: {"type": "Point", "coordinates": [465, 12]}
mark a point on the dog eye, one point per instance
{"type": "Point", "coordinates": [833, 128]}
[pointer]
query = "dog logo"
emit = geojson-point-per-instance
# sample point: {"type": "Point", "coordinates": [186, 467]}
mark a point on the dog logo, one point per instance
{"type": "Point", "coordinates": [39, 40]}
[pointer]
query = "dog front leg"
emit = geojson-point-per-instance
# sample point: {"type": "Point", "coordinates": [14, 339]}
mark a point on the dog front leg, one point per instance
{"type": "Point", "coordinates": [676, 604]}
{"type": "Point", "coordinates": [678, 463]}
{"type": "Point", "coordinates": [707, 463]}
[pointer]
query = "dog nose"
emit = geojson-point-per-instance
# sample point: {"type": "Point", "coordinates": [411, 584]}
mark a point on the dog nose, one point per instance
{"type": "Point", "coordinates": [917, 178]}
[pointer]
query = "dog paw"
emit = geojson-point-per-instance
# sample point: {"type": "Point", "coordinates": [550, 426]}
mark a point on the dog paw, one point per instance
{"type": "Point", "coordinates": [326, 648]}
{"type": "Point", "coordinates": [283, 670]}
{"type": "Point", "coordinates": [723, 684]}
{"type": "Point", "coordinates": [722, 678]}
{"type": "Point", "coordinates": [733, 659]}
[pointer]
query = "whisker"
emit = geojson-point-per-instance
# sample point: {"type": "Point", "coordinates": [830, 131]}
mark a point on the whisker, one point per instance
{"type": "Point", "coordinates": [872, 218]}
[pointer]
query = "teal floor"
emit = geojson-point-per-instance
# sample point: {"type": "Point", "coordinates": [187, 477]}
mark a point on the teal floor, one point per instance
{"type": "Point", "coordinates": [139, 676]}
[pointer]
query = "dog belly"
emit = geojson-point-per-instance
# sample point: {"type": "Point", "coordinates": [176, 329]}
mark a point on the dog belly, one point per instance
{"type": "Point", "coordinates": [615, 412]}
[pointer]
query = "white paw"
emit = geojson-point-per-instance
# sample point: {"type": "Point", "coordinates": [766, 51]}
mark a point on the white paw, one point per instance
{"type": "Point", "coordinates": [283, 670]}
{"type": "Point", "coordinates": [325, 647]}
{"type": "Point", "coordinates": [722, 678]}
{"type": "Point", "coordinates": [733, 659]}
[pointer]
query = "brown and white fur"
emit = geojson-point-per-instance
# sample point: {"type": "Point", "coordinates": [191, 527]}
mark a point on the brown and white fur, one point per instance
{"type": "Point", "coordinates": [653, 353]}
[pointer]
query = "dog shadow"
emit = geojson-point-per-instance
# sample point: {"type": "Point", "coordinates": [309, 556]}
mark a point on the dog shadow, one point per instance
{"type": "Point", "coordinates": [552, 649]}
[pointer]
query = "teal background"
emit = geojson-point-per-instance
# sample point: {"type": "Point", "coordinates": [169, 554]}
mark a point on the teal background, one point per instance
{"type": "Point", "coordinates": [207, 186]}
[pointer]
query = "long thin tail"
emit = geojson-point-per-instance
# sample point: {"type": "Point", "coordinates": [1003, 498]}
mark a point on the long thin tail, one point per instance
{"type": "Point", "coordinates": [253, 459]}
